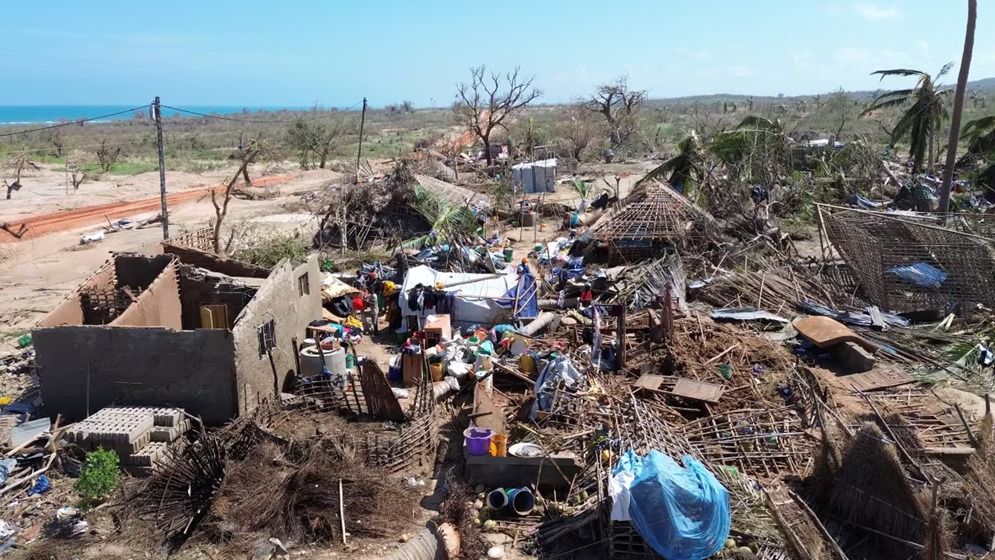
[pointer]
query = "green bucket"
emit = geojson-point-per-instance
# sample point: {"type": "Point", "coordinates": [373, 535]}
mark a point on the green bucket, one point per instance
{"type": "Point", "coordinates": [509, 254]}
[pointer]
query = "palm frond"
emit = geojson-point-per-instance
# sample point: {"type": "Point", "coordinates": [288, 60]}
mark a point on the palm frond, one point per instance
{"type": "Point", "coordinates": [761, 123]}
{"type": "Point", "coordinates": [943, 71]}
{"type": "Point", "coordinates": [897, 72]}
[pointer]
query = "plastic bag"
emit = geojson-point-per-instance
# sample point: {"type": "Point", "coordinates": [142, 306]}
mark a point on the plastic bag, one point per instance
{"type": "Point", "coordinates": [41, 486]}
{"type": "Point", "coordinates": [681, 512]}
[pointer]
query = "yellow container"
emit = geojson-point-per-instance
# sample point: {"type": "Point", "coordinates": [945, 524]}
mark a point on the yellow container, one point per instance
{"type": "Point", "coordinates": [526, 364]}
{"type": "Point", "coordinates": [436, 370]}
{"type": "Point", "coordinates": [499, 445]}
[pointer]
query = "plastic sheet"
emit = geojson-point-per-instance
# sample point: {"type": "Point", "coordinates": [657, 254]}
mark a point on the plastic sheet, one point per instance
{"type": "Point", "coordinates": [920, 274]}
{"type": "Point", "coordinates": [681, 512]}
{"type": "Point", "coordinates": [560, 368]}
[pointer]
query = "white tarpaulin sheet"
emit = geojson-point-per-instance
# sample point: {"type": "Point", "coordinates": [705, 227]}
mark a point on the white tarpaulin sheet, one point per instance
{"type": "Point", "coordinates": [476, 302]}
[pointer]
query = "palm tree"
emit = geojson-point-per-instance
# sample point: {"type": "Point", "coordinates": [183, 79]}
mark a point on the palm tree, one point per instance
{"type": "Point", "coordinates": [757, 147]}
{"type": "Point", "coordinates": [686, 169]}
{"type": "Point", "coordinates": [980, 136]}
{"type": "Point", "coordinates": [922, 119]}
{"type": "Point", "coordinates": [965, 68]}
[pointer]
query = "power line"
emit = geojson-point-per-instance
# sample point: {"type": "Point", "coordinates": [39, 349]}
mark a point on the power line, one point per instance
{"type": "Point", "coordinates": [74, 122]}
{"type": "Point", "coordinates": [236, 119]}
{"type": "Point", "coordinates": [219, 117]}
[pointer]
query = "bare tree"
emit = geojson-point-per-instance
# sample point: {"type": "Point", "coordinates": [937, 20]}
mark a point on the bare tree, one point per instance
{"type": "Point", "coordinates": [107, 156]}
{"type": "Point", "coordinates": [247, 156]}
{"type": "Point", "coordinates": [618, 104]}
{"type": "Point", "coordinates": [965, 67]}
{"type": "Point", "coordinates": [75, 167]}
{"type": "Point", "coordinates": [577, 131]}
{"type": "Point", "coordinates": [57, 140]}
{"type": "Point", "coordinates": [314, 141]}
{"type": "Point", "coordinates": [15, 165]}
{"type": "Point", "coordinates": [489, 98]}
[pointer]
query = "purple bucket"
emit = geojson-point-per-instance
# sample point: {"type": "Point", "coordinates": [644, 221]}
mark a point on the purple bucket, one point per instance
{"type": "Point", "coordinates": [478, 440]}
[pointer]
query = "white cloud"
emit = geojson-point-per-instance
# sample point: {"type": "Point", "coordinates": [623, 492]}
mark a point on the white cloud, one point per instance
{"type": "Point", "coordinates": [876, 12]}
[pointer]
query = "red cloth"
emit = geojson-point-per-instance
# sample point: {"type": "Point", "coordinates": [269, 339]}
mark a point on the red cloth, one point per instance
{"type": "Point", "coordinates": [587, 296]}
{"type": "Point", "coordinates": [358, 304]}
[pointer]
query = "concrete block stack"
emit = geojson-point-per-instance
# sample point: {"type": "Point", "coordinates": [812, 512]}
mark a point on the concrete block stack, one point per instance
{"type": "Point", "coordinates": [140, 435]}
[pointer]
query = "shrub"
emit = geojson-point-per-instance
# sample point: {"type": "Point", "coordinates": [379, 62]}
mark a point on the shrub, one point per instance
{"type": "Point", "coordinates": [271, 251]}
{"type": "Point", "coordinates": [98, 477]}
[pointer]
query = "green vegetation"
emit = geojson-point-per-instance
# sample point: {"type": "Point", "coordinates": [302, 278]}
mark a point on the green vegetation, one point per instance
{"type": "Point", "coordinates": [269, 252]}
{"type": "Point", "coordinates": [98, 477]}
{"type": "Point", "coordinates": [924, 110]}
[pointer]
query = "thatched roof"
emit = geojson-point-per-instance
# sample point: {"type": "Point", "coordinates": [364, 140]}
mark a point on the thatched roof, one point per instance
{"type": "Point", "coordinates": [654, 211]}
{"type": "Point", "coordinates": [455, 194]}
{"type": "Point", "coordinates": [873, 490]}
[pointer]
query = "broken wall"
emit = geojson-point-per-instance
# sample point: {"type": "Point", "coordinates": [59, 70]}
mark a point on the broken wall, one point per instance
{"type": "Point", "coordinates": [291, 299]}
{"type": "Point", "coordinates": [211, 261]}
{"type": "Point", "coordinates": [84, 368]}
{"type": "Point", "coordinates": [139, 271]}
{"type": "Point", "coordinates": [157, 306]}
{"type": "Point", "coordinates": [70, 311]}
{"type": "Point", "coordinates": [198, 288]}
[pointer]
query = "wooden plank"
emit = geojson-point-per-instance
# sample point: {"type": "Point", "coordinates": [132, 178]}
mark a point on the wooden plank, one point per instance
{"type": "Point", "coordinates": [488, 413]}
{"type": "Point", "coordinates": [649, 381]}
{"type": "Point", "coordinates": [825, 332]}
{"type": "Point", "coordinates": [380, 399]}
{"type": "Point", "coordinates": [698, 390]}
{"type": "Point", "coordinates": [879, 379]}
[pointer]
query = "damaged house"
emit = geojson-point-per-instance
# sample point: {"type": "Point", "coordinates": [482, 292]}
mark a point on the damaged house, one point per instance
{"type": "Point", "coordinates": [151, 330]}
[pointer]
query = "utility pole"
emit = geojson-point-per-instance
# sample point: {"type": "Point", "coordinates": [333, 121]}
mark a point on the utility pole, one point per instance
{"type": "Point", "coordinates": [157, 117]}
{"type": "Point", "coordinates": [359, 154]}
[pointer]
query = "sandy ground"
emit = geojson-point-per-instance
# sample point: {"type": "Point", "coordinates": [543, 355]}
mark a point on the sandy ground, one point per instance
{"type": "Point", "coordinates": [45, 190]}
{"type": "Point", "coordinates": [38, 273]}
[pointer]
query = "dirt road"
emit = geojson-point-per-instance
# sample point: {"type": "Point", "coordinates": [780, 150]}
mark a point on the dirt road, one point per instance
{"type": "Point", "coordinates": [35, 274]}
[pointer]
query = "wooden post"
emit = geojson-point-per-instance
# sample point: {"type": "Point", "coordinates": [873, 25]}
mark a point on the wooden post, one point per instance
{"type": "Point", "coordinates": [157, 117]}
{"type": "Point", "coordinates": [359, 153]}
{"type": "Point", "coordinates": [620, 333]}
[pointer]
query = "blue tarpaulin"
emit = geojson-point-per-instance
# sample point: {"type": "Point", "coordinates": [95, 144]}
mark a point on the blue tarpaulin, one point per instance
{"type": "Point", "coordinates": [920, 274]}
{"type": "Point", "coordinates": [681, 512]}
{"type": "Point", "coordinates": [524, 297]}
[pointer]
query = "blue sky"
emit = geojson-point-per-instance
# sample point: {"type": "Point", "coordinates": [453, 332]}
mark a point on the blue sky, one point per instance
{"type": "Point", "coordinates": [254, 52]}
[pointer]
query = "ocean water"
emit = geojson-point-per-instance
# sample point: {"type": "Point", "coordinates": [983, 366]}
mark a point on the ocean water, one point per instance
{"type": "Point", "coordinates": [50, 114]}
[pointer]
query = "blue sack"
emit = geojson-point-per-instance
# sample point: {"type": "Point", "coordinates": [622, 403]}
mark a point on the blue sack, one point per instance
{"type": "Point", "coordinates": [681, 512]}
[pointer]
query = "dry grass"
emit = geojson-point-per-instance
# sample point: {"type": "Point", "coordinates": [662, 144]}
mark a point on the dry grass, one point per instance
{"type": "Point", "coordinates": [292, 493]}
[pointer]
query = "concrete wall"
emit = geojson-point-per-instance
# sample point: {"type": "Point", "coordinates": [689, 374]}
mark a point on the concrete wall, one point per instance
{"type": "Point", "coordinates": [210, 261]}
{"type": "Point", "coordinates": [139, 270]}
{"type": "Point", "coordinates": [70, 311]}
{"type": "Point", "coordinates": [278, 299]}
{"type": "Point", "coordinates": [198, 289]}
{"type": "Point", "coordinates": [158, 306]}
{"type": "Point", "coordinates": [194, 370]}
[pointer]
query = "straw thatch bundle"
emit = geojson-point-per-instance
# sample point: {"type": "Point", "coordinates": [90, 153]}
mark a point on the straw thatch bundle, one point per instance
{"type": "Point", "coordinates": [872, 489]}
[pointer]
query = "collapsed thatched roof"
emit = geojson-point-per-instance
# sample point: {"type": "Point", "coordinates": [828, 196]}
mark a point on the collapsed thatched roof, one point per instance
{"type": "Point", "coordinates": [455, 194]}
{"type": "Point", "coordinates": [655, 212]}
